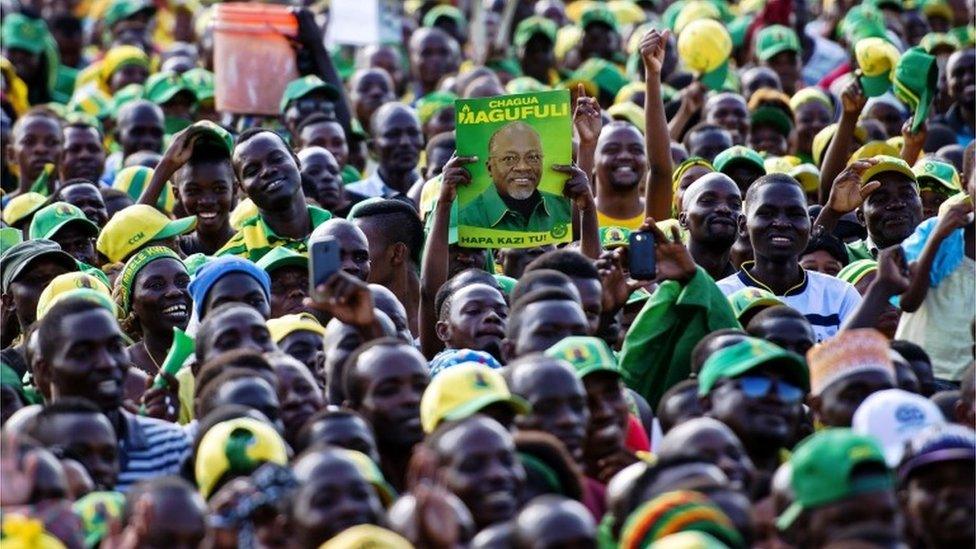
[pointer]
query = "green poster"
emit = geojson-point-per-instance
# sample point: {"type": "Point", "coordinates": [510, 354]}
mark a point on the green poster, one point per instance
{"type": "Point", "coordinates": [515, 199]}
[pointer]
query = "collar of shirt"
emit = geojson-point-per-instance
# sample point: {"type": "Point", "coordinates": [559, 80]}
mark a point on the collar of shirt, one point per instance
{"type": "Point", "coordinates": [375, 186]}
{"type": "Point", "coordinates": [751, 281]}
{"type": "Point", "coordinates": [497, 210]}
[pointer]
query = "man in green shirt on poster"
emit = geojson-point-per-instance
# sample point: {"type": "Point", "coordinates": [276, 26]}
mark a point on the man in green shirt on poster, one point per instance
{"type": "Point", "coordinates": [514, 201]}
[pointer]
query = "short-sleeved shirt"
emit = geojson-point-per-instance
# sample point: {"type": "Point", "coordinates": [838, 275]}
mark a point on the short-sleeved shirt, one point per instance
{"type": "Point", "coordinates": [149, 448]}
{"type": "Point", "coordinates": [824, 300]}
{"type": "Point", "coordinates": [862, 249]}
{"type": "Point", "coordinates": [488, 210]}
{"type": "Point", "coordinates": [255, 238]}
{"type": "Point", "coordinates": [632, 223]}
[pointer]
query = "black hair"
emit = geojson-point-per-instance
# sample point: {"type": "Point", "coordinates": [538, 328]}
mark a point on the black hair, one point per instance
{"type": "Point", "coordinates": [679, 387]}
{"type": "Point", "coordinates": [445, 139]}
{"type": "Point", "coordinates": [399, 223]}
{"type": "Point", "coordinates": [203, 402]}
{"type": "Point", "coordinates": [537, 279]}
{"type": "Point", "coordinates": [208, 324]}
{"type": "Point", "coordinates": [246, 359]}
{"type": "Point", "coordinates": [109, 193]}
{"type": "Point", "coordinates": [464, 278]}
{"type": "Point", "coordinates": [697, 357]}
{"type": "Point", "coordinates": [59, 194]}
{"type": "Point", "coordinates": [247, 134]}
{"type": "Point", "coordinates": [535, 296]}
{"type": "Point", "coordinates": [910, 351]}
{"type": "Point", "coordinates": [774, 312]}
{"type": "Point", "coordinates": [350, 383]}
{"type": "Point", "coordinates": [569, 262]}
{"type": "Point", "coordinates": [946, 401]}
{"type": "Point", "coordinates": [770, 179]}
{"type": "Point", "coordinates": [938, 136]}
{"type": "Point", "coordinates": [317, 118]}
{"type": "Point", "coordinates": [49, 335]}
{"type": "Point", "coordinates": [153, 485]}
{"type": "Point", "coordinates": [700, 127]}
{"type": "Point", "coordinates": [822, 240]}
{"type": "Point", "coordinates": [83, 125]}
{"type": "Point", "coordinates": [303, 440]}
{"type": "Point", "coordinates": [61, 407]}
{"type": "Point", "coordinates": [550, 451]}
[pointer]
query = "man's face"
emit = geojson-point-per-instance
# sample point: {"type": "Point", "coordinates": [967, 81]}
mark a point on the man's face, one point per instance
{"type": "Point", "coordinates": [599, 40]}
{"type": "Point", "coordinates": [558, 402]}
{"type": "Point", "coordinates": [90, 440]}
{"type": "Point", "coordinates": [476, 320]}
{"type": "Point", "coordinates": [392, 380]}
{"type": "Point", "coordinates": [388, 59]}
{"type": "Point", "coordinates": [721, 447]}
{"type": "Point", "coordinates": [811, 117]}
{"type": "Point", "coordinates": [873, 510]}
{"type": "Point", "coordinates": [254, 393]}
{"type": "Point", "coordinates": [77, 241]}
{"type": "Point", "coordinates": [301, 108]}
{"type": "Point", "coordinates": [346, 432]}
{"type": "Point", "coordinates": [537, 57]}
{"type": "Point", "coordinates": [591, 300]}
{"type": "Point", "coordinates": [515, 161]}
{"type": "Point", "coordinates": [91, 362]}
{"type": "Point", "coordinates": [321, 176]}
{"type": "Point", "coordinates": [329, 136]}
{"type": "Point", "coordinates": [238, 288]}
{"type": "Point", "coordinates": [304, 346]}
{"type": "Point", "coordinates": [206, 190]}
{"type": "Point", "coordinates": [744, 174]}
{"type": "Point", "coordinates": [289, 288]}
{"type": "Point", "coordinates": [479, 466]}
{"type": "Point", "coordinates": [791, 334]}
{"type": "Point", "coordinates": [890, 117]}
{"type": "Point", "coordinates": [730, 112]}
{"type": "Point", "coordinates": [608, 415]}
{"type": "Point", "coordinates": [441, 122]}
{"type": "Point", "coordinates": [177, 521]}
{"type": "Point", "coordinates": [268, 171]}
{"type": "Point", "coordinates": [620, 157]}
{"type": "Point", "coordinates": [142, 130]}
{"type": "Point", "coordinates": [764, 138]}
{"type": "Point", "coordinates": [546, 323]}
{"type": "Point", "coordinates": [931, 200]}
{"type": "Point", "coordinates": [822, 262]}
{"type": "Point", "coordinates": [712, 210]}
{"type": "Point", "coordinates": [432, 59]}
{"type": "Point", "coordinates": [840, 399]}
{"type": "Point", "coordinates": [778, 224]}
{"type": "Point", "coordinates": [87, 198]}
{"type": "Point", "coordinates": [938, 503]}
{"type": "Point", "coordinates": [787, 65]}
{"type": "Point", "coordinates": [758, 78]}
{"type": "Point", "coordinates": [961, 77]}
{"type": "Point", "coordinates": [353, 250]}
{"type": "Point", "coordinates": [892, 212]}
{"type": "Point", "coordinates": [36, 142]}
{"type": "Point", "coordinates": [83, 155]}
{"type": "Point", "coordinates": [708, 144]}
{"type": "Point", "coordinates": [336, 498]}
{"type": "Point", "coordinates": [238, 329]}
{"type": "Point", "coordinates": [27, 287]}
{"type": "Point", "coordinates": [370, 90]}
{"type": "Point", "coordinates": [437, 158]}
{"type": "Point", "coordinates": [760, 406]}
{"type": "Point", "coordinates": [399, 141]}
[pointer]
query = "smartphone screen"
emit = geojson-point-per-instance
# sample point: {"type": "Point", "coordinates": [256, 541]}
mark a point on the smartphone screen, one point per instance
{"type": "Point", "coordinates": [323, 261]}
{"type": "Point", "coordinates": [641, 254]}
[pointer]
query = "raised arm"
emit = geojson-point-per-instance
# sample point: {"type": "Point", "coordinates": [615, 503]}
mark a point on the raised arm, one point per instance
{"type": "Point", "coordinates": [846, 194]}
{"type": "Point", "coordinates": [587, 124]}
{"type": "Point", "coordinates": [311, 37]}
{"type": "Point", "coordinates": [657, 192]}
{"type": "Point", "coordinates": [577, 189]}
{"type": "Point", "coordinates": [955, 217]}
{"type": "Point", "coordinates": [177, 154]}
{"type": "Point", "coordinates": [692, 99]}
{"type": "Point", "coordinates": [893, 279]}
{"type": "Point", "coordinates": [835, 158]}
{"type": "Point", "coordinates": [914, 141]}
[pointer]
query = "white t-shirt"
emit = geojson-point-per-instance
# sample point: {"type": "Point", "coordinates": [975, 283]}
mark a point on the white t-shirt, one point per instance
{"type": "Point", "coordinates": [824, 300]}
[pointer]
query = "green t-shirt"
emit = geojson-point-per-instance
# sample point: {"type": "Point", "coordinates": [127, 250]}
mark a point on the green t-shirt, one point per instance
{"type": "Point", "coordinates": [488, 210]}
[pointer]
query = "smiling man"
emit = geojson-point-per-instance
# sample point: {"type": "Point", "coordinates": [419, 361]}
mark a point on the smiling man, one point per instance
{"type": "Point", "coordinates": [514, 201]}
{"type": "Point", "coordinates": [621, 164]}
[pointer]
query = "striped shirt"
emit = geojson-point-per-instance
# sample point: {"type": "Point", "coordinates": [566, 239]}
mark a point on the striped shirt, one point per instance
{"type": "Point", "coordinates": [255, 238]}
{"type": "Point", "coordinates": [149, 448]}
{"type": "Point", "coordinates": [824, 300]}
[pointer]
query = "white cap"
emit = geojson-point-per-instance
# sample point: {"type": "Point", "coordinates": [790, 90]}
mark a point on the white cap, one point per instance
{"type": "Point", "coordinates": [893, 417]}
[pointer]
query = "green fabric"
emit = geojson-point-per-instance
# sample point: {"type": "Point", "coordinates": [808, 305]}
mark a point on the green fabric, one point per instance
{"type": "Point", "coordinates": [24, 33]}
{"type": "Point", "coordinates": [859, 250]}
{"type": "Point", "coordinates": [127, 277]}
{"type": "Point", "coordinates": [734, 361]}
{"type": "Point", "coordinates": [64, 83]}
{"type": "Point", "coordinates": [738, 153]}
{"type": "Point", "coordinates": [776, 39]}
{"type": "Point", "coordinates": [298, 88]}
{"type": "Point", "coordinates": [915, 82]}
{"type": "Point", "coordinates": [585, 354]}
{"type": "Point", "coordinates": [51, 218]}
{"type": "Point", "coordinates": [255, 238]}
{"type": "Point", "coordinates": [657, 349]}
{"type": "Point", "coordinates": [532, 26]}
{"type": "Point", "coordinates": [350, 174]}
{"type": "Point", "coordinates": [489, 211]}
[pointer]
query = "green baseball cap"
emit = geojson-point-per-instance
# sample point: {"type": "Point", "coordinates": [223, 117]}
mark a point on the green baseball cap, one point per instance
{"type": "Point", "coordinates": [9, 237]}
{"type": "Point", "coordinates": [915, 82]}
{"type": "Point", "coordinates": [738, 359]}
{"type": "Point", "coordinates": [124, 9]}
{"type": "Point", "coordinates": [607, 77]}
{"type": "Point", "coordinates": [201, 81]}
{"type": "Point", "coordinates": [211, 132]}
{"type": "Point", "coordinates": [20, 256]}
{"type": "Point", "coordinates": [282, 257]}
{"type": "Point", "coordinates": [428, 105]}
{"type": "Point", "coordinates": [614, 237]}
{"type": "Point", "coordinates": [776, 39]}
{"type": "Point", "coordinates": [300, 87]}
{"type": "Point", "coordinates": [862, 21]}
{"type": "Point", "coordinates": [586, 354]}
{"type": "Point", "coordinates": [598, 13]}
{"type": "Point", "coordinates": [750, 299]}
{"type": "Point", "coordinates": [52, 218]}
{"type": "Point", "coordinates": [737, 154]}
{"type": "Point", "coordinates": [934, 174]}
{"type": "Point", "coordinates": [163, 86]}
{"type": "Point", "coordinates": [823, 471]}
{"type": "Point", "coordinates": [532, 26]}
{"type": "Point", "coordinates": [445, 10]}
{"type": "Point", "coordinates": [773, 116]}
{"type": "Point", "coordinates": [123, 96]}
{"type": "Point", "coordinates": [24, 33]}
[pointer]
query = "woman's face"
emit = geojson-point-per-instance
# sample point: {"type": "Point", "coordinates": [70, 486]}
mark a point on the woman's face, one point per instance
{"type": "Point", "coordinates": [160, 299]}
{"type": "Point", "coordinates": [811, 117]}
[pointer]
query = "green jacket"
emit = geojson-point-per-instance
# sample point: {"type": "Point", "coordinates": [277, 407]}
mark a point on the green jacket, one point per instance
{"type": "Point", "coordinates": [490, 212]}
{"type": "Point", "coordinates": [657, 349]}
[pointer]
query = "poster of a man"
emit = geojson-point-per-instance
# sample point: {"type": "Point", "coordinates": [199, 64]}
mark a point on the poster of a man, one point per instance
{"type": "Point", "coordinates": [516, 198]}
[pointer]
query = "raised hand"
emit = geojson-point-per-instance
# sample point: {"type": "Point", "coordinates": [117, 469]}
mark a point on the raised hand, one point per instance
{"type": "Point", "coordinates": [181, 147]}
{"type": "Point", "coordinates": [693, 97]}
{"type": "Point", "coordinates": [346, 298]}
{"type": "Point", "coordinates": [455, 173]}
{"type": "Point", "coordinates": [914, 139]}
{"type": "Point", "coordinates": [586, 118]}
{"type": "Point", "coordinates": [893, 273]}
{"type": "Point", "coordinates": [847, 192]}
{"type": "Point", "coordinates": [955, 217]}
{"type": "Point", "coordinates": [652, 48]}
{"type": "Point", "coordinates": [673, 259]}
{"type": "Point", "coordinates": [616, 287]}
{"type": "Point", "coordinates": [577, 186]}
{"type": "Point", "coordinates": [852, 99]}
{"type": "Point", "coordinates": [162, 402]}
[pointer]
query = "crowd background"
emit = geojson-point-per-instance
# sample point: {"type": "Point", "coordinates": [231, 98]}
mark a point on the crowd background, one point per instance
{"type": "Point", "coordinates": [798, 373]}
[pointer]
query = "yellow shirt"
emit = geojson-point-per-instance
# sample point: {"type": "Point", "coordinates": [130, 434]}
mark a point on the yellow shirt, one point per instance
{"type": "Point", "coordinates": [632, 223]}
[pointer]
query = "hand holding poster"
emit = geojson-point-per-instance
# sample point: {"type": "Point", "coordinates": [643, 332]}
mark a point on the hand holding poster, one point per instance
{"type": "Point", "coordinates": [515, 198]}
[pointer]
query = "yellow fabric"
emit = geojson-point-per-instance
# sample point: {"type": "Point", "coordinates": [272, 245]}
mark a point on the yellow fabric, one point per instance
{"type": "Point", "coordinates": [22, 206]}
{"type": "Point", "coordinates": [367, 536]}
{"type": "Point", "coordinates": [214, 459]}
{"type": "Point", "coordinates": [65, 283]}
{"type": "Point", "coordinates": [282, 327]}
{"type": "Point", "coordinates": [633, 223]}
{"type": "Point", "coordinates": [188, 386]}
{"type": "Point", "coordinates": [16, 92]}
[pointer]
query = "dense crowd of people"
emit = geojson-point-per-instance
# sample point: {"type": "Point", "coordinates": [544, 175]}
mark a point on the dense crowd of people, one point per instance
{"type": "Point", "coordinates": [798, 373]}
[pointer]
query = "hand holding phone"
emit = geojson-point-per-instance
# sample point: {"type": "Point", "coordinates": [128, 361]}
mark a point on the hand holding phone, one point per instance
{"type": "Point", "coordinates": [323, 262]}
{"type": "Point", "coordinates": [641, 256]}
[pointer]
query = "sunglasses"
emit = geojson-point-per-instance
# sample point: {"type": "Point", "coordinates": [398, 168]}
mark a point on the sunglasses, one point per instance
{"type": "Point", "coordinates": [758, 386]}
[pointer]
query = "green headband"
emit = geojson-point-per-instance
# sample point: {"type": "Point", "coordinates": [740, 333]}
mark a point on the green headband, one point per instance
{"type": "Point", "coordinates": [126, 279]}
{"type": "Point", "coordinates": [548, 474]}
{"type": "Point", "coordinates": [854, 272]}
{"type": "Point", "coordinates": [686, 165]}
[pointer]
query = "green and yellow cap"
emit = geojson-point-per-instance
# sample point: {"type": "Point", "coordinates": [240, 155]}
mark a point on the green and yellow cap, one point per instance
{"type": "Point", "coordinates": [738, 359]}
{"type": "Point", "coordinates": [9, 236]}
{"type": "Point", "coordinates": [916, 80]}
{"type": "Point", "coordinates": [445, 10]}
{"type": "Point", "coordinates": [938, 43]}
{"type": "Point", "coordinates": [133, 227]}
{"type": "Point", "coordinates": [300, 87]}
{"type": "Point", "coordinates": [862, 21]}
{"type": "Point", "coordinates": [749, 299]}
{"type": "Point", "coordinates": [887, 164]}
{"type": "Point", "coordinates": [133, 180]}
{"type": "Point", "coordinates": [201, 81]}
{"type": "Point", "coordinates": [124, 9]}
{"type": "Point", "coordinates": [877, 59]}
{"type": "Point", "coordinates": [24, 33]}
{"type": "Point", "coordinates": [461, 391]}
{"type": "Point", "coordinates": [531, 26]}
{"type": "Point", "coordinates": [237, 446]}
{"type": "Point", "coordinates": [52, 218]}
{"type": "Point", "coordinates": [286, 325]}
{"type": "Point", "coordinates": [772, 116]}
{"type": "Point", "coordinates": [163, 86]}
{"type": "Point", "coordinates": [604, 74]}
{"type": "Point", "coordinates": [598, 13]}
{"type": "Point", "coordinates": [69, 283]}
{"type": "Point", "coordinates": [214, 133]}
{"type": "Point", "coordinates": [612, 237]}
{"type": "Point", "coordinates": [776, 39]}
{"type": "Point", "coordinates": [282, 257]}
{"type": "Point", "coordinates": [122, 56]}
{"type": "Point", "coordinates": [937, 8]}
{"type": "Point", "coordinates": [92, 101]}
{"type": "Point", "coordinates": [22, 206]}
{"type": "Point", "coordinates": [738, 154]}
{"type": "Point", "coordinates": [965, 35]}
{"type": "Point", "coordinates": [704, 47]}
{"type": "Point", "coordinates": [367, 535]}
{"type": "Point", "coordinates": [872, 149]}
{"type": "Point", "coordinates": [695, 10]}
{"type": "Point", "coordinates": [587, 355]}
{"type": "Point", "coordinates": [824, 467]}
{"type": "Point", "coordinates": [97, 511]}
{"type": "Point", "coordinates": [854, 271]}
{"type": "Point", "coordinates": [428, 105]}
{"type": "Point", "coordinates": [822, 140]}
{"type": "Point", "coordinates": [525, 84]}
{"type": "Point", "coordinates": [628, 112]}
{"type": "Point", "coordinates": [932, 174]}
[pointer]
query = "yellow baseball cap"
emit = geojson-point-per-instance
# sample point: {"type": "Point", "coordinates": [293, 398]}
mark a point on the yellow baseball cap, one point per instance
{"type": "Point", "coordinates": [134, 179]}
{"type": "Point", "coordinates": [871, 149]}
{"type": "Point", "coordinates": [236, 446]}
{"type": "Point", "coordinates": [134, 227]}
{"type": "Point", "coordinates": [68, 282]}
{"type": "Point", "coordinates": [367, 536]}
{"type": "Point", "coordinates": [704, 47]}
{"type": "Point", "coordinates": [628, 112]}
{"type": "Point", "coordinates": [283, 326]}
{"type": "Point", "coordinates": [22, 206]}
{"type": "Point", "coordinates": [888, 164]}
{"type": "Point", "coordinates": [463, 390]}
{"type": "Point", "coordinates": [877, 59]}
{"type": "Point", "coordinates": [808, 175]}
{"type": "Point", "coordinates": [822, 140]}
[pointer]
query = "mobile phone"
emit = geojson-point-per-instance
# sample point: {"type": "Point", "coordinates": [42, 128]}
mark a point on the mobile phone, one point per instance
{"type": "Point", "coordinates": [641, 254]}
{"type": "Point", "coordinates": [323, 261]}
